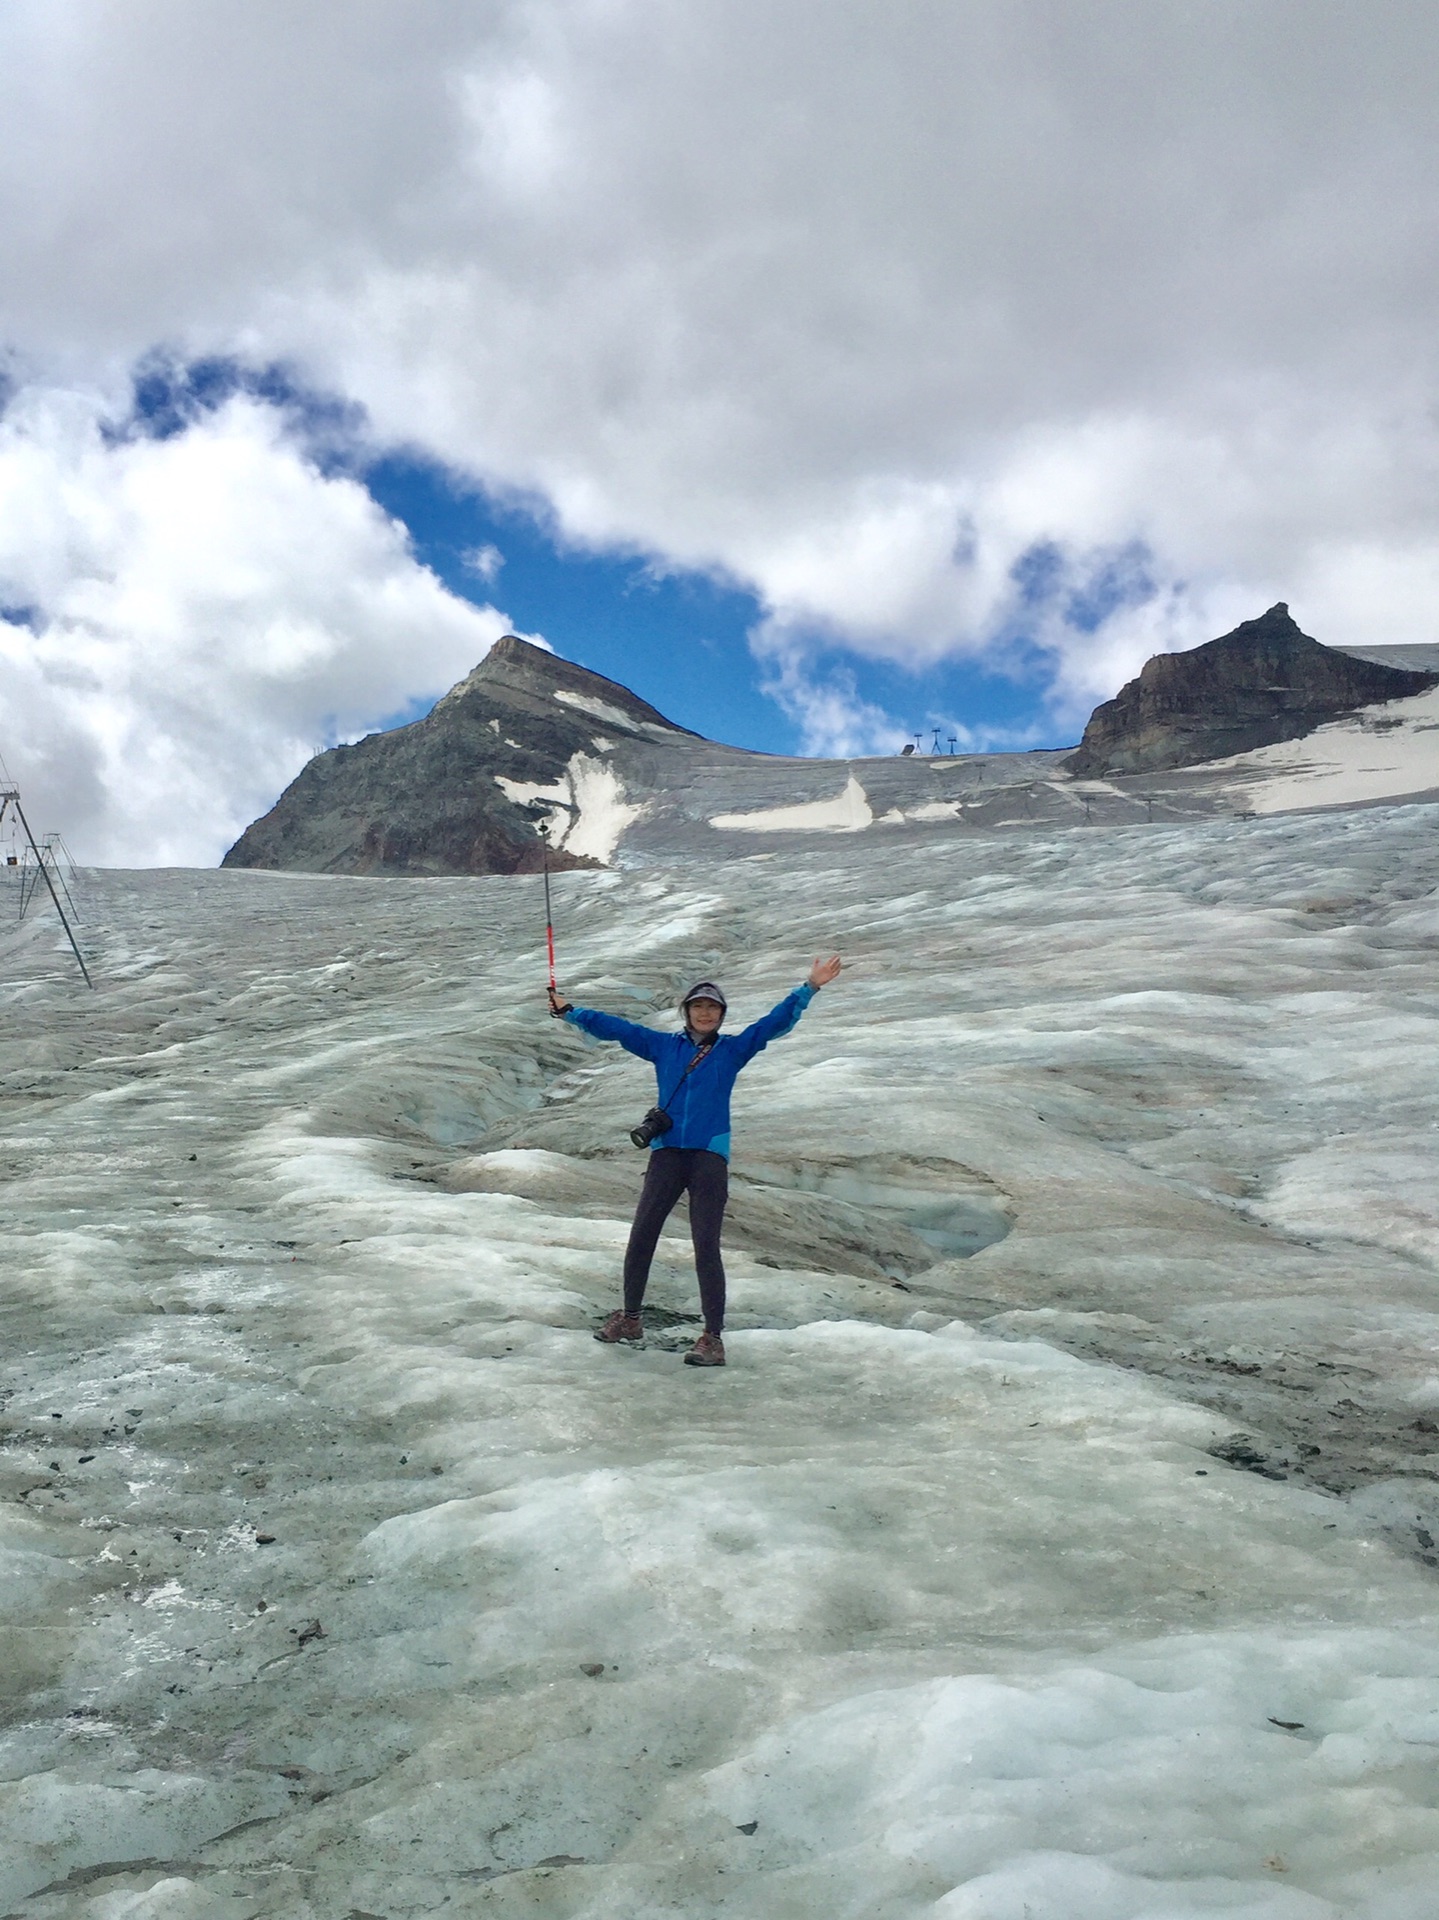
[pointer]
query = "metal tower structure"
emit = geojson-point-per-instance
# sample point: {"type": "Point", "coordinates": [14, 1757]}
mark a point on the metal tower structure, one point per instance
{"type": "Point", "coordinates": [43, 863]}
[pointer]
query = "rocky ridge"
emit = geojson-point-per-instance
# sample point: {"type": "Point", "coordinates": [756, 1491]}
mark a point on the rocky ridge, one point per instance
{"type": "Point", "coordinates": [528, 741]}
{"type": "Point", "coordinates": [1266, 681]}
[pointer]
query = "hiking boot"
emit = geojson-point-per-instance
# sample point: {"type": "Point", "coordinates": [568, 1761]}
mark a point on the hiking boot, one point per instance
{"type": "Point", "coordinates": [622, 1330]}
{"type": "Point", "coordinates": [707, 1351]}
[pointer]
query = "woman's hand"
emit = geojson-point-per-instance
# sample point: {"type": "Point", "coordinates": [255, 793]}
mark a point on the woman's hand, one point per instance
{"type": "Point", "coordinates": [823, 971]}
{"type": "Point", "coordinates": [559, 1008]}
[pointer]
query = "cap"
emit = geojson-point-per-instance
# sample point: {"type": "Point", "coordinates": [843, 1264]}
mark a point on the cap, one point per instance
{"type": "Point", "coordinates": [705, 990]}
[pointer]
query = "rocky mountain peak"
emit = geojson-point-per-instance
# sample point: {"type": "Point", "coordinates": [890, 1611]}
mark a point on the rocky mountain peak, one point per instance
{"type": "Point", "coordinates": [524, 738]}
{"type": "Point", "coordinates": [515, 667]}
{"type": "Point", "coordinates": [1265, 681]}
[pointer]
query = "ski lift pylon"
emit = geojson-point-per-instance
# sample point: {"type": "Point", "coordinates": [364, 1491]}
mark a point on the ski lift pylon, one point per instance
{"type": "Point", "coordinates": [38, 863]}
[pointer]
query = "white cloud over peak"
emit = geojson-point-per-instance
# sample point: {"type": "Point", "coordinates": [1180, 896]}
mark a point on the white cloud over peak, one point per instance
{"type": "Point", "coordinates": [187, 620]}
{"type": "Point", "coordinates": [917, 321]}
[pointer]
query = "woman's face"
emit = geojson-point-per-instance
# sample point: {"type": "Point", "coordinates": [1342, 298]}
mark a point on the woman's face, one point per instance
{"type": "Point", "coordinates": [704, 1015]}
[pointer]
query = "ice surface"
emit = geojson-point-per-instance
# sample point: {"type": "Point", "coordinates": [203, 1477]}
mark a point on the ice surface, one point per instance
{"type": "Point", "coordinates": [1073, 1562]}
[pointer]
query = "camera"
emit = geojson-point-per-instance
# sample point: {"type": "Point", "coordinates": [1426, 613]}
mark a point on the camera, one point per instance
{"type": "Point", "coordinates": [655, 1122]}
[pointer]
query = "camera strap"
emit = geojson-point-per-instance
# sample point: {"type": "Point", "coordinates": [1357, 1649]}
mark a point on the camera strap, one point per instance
{"type": "Point", "coordinates": [701, 1053]}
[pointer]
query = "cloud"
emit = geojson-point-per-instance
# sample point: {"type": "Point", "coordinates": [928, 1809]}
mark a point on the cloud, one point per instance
{"type": "Point", "coordinates": [185, 620]}
{"type": "Point", "coordinates": [833, 721]}
{"type": "Point", "coordinates": [863, 308]}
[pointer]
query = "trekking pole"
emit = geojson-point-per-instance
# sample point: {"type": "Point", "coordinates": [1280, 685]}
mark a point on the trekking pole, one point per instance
{"type": "Point", "coordinates": [544, 832]}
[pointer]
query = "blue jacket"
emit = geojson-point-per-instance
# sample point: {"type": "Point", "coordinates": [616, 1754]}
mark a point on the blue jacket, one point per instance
{"type": "Point", "coordinates": [698, 1103]}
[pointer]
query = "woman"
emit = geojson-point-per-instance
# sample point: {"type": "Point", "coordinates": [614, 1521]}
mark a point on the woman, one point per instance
{"type": "Point", "coordinates": [695, 1072]}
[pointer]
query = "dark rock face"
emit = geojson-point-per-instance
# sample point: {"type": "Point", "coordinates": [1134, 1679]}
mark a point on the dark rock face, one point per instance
{"type": "Point", "coordinates": [426, 798]}
{"type": "Point", "coordinates": [1264, 682]}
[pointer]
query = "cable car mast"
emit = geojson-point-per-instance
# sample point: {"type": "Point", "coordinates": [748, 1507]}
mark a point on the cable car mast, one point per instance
{"type": "Point", "coordinates": [10, 798]}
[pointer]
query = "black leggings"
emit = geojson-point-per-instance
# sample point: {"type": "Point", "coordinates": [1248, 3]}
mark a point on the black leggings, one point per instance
{"type": "Point", "coordinates": [671, 1170]}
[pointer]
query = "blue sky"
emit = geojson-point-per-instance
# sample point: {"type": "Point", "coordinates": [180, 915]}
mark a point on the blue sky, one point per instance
{"type": "Point", "coordinates": [678, 639]}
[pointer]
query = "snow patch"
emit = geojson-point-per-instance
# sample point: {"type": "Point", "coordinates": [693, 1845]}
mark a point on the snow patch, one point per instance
{"type": "Point", "coordinates": [1380, 753]}
{"type": "Point", "coordinates": [587, 810]}
{"type": "Point", "coordinates": [529, 793]}
{"type": "Point", "coordinates": [599, 709]}
{"type": "Point", "coordinates": [936, 810]}
{"type": "Point", "coordinates": [848, 812]}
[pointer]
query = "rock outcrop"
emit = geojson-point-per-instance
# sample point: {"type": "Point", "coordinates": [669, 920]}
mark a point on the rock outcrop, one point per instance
{"type": "Point", "coordinates": [524, 737]}
{"type": "Point", "coordinates": [1263, 682]}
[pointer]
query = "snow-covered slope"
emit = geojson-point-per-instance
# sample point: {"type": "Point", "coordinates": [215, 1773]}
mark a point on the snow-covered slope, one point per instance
{"type": "Point", "coordinates": [343, 1574]}
{"type": "Point", "coordinates": [1377, 754]}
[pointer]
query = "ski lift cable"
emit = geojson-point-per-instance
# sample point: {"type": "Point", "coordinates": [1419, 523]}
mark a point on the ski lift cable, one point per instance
{"type": "Point", "coordinates": [70, 866]}
{"type": "Point", "coordinates": [63, 847]}
{"type": "Point", "coordinates": [48, 857]}
{"type": "Point", "coordinates": [29, 879]}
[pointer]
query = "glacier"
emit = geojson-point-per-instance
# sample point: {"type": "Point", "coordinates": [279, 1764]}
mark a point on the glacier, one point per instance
{"type": "Point", "coordinates": [1059, 1543]}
